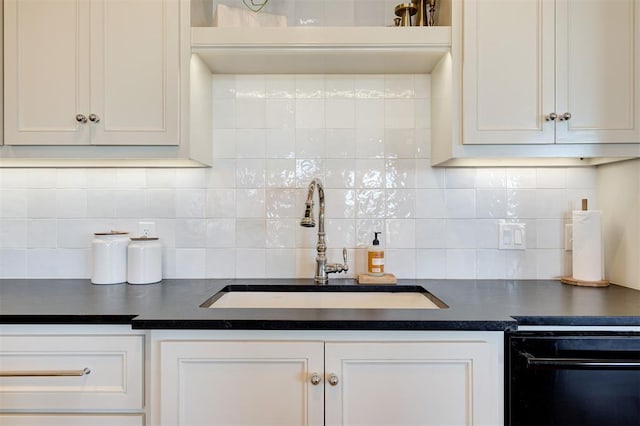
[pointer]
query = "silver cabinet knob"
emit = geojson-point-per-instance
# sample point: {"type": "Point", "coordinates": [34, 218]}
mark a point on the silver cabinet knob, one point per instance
{"type": "Point", "coordinates": [566, 116]}
{"type": "Point", "coordinates": [94, 118]}
{"type": "Point", "coordinates": [81, 118]}
{"type": "Point", "coordinates": [551, 117]}
{"type": "Point", "coordinates": [315, 379]}
{"type": "Point", "coordinates": [333, 379]}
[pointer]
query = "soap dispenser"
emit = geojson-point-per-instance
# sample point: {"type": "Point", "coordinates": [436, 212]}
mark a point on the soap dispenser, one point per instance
{"type": "Point", "coordinates": [375, 257]}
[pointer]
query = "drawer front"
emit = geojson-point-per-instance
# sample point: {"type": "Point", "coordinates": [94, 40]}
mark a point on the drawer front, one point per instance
{"type": "Point", "coordinates": [71, 419]}
{"type": "Point", "coordinates": [71, 372]}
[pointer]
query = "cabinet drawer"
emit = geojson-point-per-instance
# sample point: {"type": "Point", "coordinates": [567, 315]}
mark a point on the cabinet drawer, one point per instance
{"type": "Point", "coordinates": [71, 419]}
{"type": "Point", "coordinates": [71, 372]}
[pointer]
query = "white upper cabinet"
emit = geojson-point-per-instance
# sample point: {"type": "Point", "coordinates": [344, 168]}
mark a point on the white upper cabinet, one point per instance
{"type": "Point", "coordinates": [98, 72]}
{"type": "Point", "coordinates": [598, 71]}
{"type": "Point", "coordinates": [545, 72]}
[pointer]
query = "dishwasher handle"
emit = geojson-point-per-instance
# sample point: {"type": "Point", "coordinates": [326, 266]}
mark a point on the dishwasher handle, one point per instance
{"type": "Point", "coordinates": [580, 363]}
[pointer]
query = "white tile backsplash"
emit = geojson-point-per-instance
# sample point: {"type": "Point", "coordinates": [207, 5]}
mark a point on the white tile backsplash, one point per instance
{"type": "Point", "coordinates": [365, 136]}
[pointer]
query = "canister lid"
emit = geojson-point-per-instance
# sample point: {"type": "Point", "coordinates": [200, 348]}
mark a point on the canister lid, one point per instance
{"type": "Point", "coordinates": [144, 238]}
{"type": "Point", "coordinates": [112, 233]}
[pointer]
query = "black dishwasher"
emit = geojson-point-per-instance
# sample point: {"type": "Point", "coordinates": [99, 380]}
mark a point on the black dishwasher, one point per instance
{"type": "Point", "coordinates": [572, 378]}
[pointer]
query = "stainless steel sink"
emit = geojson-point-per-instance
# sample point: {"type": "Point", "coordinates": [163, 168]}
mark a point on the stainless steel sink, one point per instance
{"type": "Point", "coordinates": [325, 297]}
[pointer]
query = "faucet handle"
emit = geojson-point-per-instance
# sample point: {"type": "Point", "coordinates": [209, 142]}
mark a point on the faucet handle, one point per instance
{"type": "Point", "coordinates": [344, 255]}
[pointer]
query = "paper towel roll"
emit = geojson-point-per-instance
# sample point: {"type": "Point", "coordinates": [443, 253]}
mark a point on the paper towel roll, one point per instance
{"type": "Point", "coordinates": [587, 246]}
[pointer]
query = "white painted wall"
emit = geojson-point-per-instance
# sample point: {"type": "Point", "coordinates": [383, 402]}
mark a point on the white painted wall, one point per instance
{"type": "Point", "coordinates": [618, 189]}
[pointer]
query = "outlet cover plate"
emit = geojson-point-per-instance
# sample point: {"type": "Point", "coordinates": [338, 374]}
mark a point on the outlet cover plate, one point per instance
{"type": "Point", "coordinates": [512, 236]}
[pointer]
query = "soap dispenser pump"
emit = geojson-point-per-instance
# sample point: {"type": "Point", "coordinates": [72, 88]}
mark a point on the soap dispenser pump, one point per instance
{"type": "Point", "coordinates": [375, 257]}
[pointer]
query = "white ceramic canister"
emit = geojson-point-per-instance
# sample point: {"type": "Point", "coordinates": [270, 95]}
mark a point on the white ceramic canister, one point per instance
{"type": "Point", "coordinates": [144, 261]}
{"type": "Point", "coordinates": [109, 257]}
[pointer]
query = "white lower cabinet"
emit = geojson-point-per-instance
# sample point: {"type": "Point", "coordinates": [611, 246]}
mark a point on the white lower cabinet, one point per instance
{"type": "Point", "coordinates": [332, 378]}
{"type": "Point", "coordinates": [71, 375]}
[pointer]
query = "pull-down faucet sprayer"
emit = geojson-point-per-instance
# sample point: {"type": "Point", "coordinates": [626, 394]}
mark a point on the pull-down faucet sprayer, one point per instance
{"type": "Point", "coordinates": [322, 268]}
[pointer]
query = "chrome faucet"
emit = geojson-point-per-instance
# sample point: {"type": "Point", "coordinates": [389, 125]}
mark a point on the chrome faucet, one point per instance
{"type": "Point", "coordinates": [322, 268]}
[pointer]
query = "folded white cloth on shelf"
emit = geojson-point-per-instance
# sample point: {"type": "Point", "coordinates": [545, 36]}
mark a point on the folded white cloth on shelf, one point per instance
{"type": "Point", "coordinates": [226, 16]}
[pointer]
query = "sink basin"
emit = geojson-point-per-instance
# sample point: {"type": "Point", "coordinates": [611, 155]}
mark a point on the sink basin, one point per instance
{"type": "Point", "coordinates": [329, 297]}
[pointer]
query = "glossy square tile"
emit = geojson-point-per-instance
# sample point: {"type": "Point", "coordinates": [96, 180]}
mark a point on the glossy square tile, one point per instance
{"type": "Point", "coordinates": [280, 114]}
{"type": "Point", "coordinates": [221, 203]}
{"type": "Point", "coordinates": [282, 203]}
{"type": "Point", "coordinates": [280, 263]}
{"type": "Point", "coordinates": [370, 173]}
{"type": "Point", "coordinates": [369, 113]}
{"type": "Point", "coordinates": [250, 173]}
{"type": "Point", "coordinates": [340, 143]}
{"type": "Point", "coordinates": [310, 114]}
{"type": "Point", "coordinates": [250, 113]}
{"type": "Point", "coordinates": [42, 233]}
{"type": "Point", "coordinates": [399, 86]}
{"type": "Point", "coordinates": [400, 173]}
{"type": "Point", "coordinates": [250, 86]}
{"type": "Point", "coordinates": [13, 263]}
{"type": "Point", "coordinates": [190, 203]}
{"type": "Point", "coordinates": [250, 203]}
{"type": "Point", "coordinates": [309, 86]}
{"type": "Point", "coordinates": [461, 264]}
{"type": "Point", "coordinates": [340, 86]}
{"type": "Point", "coordinates": [340, 113]}
{"type": "Point", "coordinates": [340, 173]}
{"type": "Point", "coordinates": [399, 113]}
{"type": "Point", "coordinates": [370, 203]}
{"type": "Point", "coordinates": [13, 203]}
{"type": "Point", "coordinates": [401, 262]}
{"type": "Point", "coordinates": [461, 203]}
{"type": "Point", "coordinates": [550, 177]}
{"type": "Point", "coordinates": [220, 263]}
{"type": "Point", "coordinates": [280, 143]}
{"type": "Point", "coordinates": [280, 86]}
{"type": "Point", "coordinates": [369, 143]}
{"type": "Point", "coordinates": [401, 203]}
{"type": "Point", "coordinates": [13, 233]}
{"type": "Point", "coordinates": [431, 233]}
{"type": "Point", "coordinates": [431, 203]}
{"type": "Point", "coordinates": [251, 233]}
{"type": "Point", "coordinates": [431, 263]}
{"type": "Point", "coordinates": [399, 143]}
{"type": "Point", "coordinates": [490, 264]}
{"type": "Point", "coordinates": [310, 143]}
{"type": "Point", "coordinates": [281, 233]}
{"type": "Point", "coordinates": [281, 173]}
{"type": "Point", "coordinates": [160, 203]}
{"type": "Point", "coordinates": [221, 233]}
{"type": "Point", "coordinates": [491, 203]}
{"type": "Point", "coordinates": [224, 143]}
{"type": "Point", "coordinates": [461, 233]}
{"type": "Point", "coordinates": [191, 233]}
{"type": "Point", "coordinates": [399, 233]}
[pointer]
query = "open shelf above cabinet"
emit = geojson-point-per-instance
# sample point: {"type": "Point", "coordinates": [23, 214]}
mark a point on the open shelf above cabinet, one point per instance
{"type": "Point", "coordinates": [321, 50]}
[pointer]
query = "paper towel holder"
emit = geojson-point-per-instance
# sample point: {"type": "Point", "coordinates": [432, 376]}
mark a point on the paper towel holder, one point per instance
{"type": "Point", "coordinates": [583, 283]}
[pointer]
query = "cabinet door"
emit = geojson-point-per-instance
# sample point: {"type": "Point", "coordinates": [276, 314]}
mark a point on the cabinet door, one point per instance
{"type": "Point", "coordinates": [241, 383]}
{"type": "Point", "coordinates": [135, 82]}
{"type": "Point", "coordinates": [598, 66]}
{"type": "Point", "coordinates": [46, 71]}
{"type": "Point", "coordinates": [412, 383]}
{"type": "Point", "coordinates": [507, 71]}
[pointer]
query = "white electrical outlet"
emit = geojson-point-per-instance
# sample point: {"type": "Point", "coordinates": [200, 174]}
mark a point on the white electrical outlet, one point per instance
{"type": "Point", "coordinates": [146, 229]}
{"type": "Point", "coordinates": [512, 236]}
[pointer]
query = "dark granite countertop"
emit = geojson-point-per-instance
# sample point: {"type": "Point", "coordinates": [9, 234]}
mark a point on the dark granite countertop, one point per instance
{"type": "Point", "coordinates": [175, 304]}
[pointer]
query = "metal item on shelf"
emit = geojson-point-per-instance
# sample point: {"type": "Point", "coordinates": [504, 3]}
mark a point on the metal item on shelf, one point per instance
{"type": "Point", "coordinates": [432, 12]}
{"type": "Point", "coordinates": [422, 15]}
{"type": "Point", "coordinates": [405, 11]}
